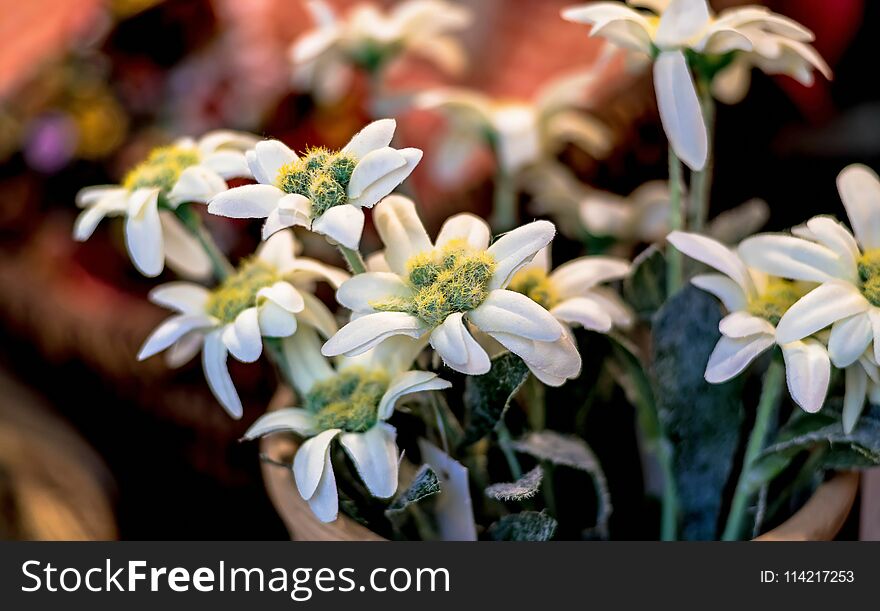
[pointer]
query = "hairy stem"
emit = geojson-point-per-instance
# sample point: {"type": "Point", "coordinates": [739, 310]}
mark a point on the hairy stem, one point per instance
{"type": "Point", "coordinates": [673, 256]}
{"type": "Point", "coordinates": [504, 205]}
{"type": "Point", "coordinates": [193, 223]}
{"type": "Point", "coordinates": [771, 391]}
{"type": "Point", "coordinates": [354, 259]}
{"type": "Point", "coordinates": [701, 182]}
{"type": "Point", "coordinates": [504, 442]}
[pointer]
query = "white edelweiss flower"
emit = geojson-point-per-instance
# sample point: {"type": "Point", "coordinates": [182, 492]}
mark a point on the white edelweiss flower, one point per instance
{"type": "Point", "coordinates": [267, 296]}
{"type": "Point", "coordinates": [643, 216]}
{"type": "Point", "coordinates": [523, 133]}
{"type": "Point", "coordinates": [351, 403]}
{"type": "Point", "coordinates": [322, 190]}
{"type": "Point", "coordinates": [571, 293]}
{"type": "Point", "coordinates": [755, 302]}
{"type": "Point", "coordinates": [186, 171]}
{"type": "Point", "coordinates": [367, 38]}
{"type": "Point", "coordinates": [670, 28]}
{"type": "Point", "coordinates": [846, 267]}
{"type": "Point", "coordinates": [436, 290]}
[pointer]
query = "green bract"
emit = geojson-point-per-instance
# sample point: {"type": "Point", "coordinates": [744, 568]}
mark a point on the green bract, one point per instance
{"type": "Point", "coordinates": [349, 400]}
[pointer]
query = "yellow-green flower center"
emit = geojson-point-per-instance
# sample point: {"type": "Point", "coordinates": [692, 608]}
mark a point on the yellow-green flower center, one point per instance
{"type": "Point", "coordinates": [161, 169]}
{"type": "Point", "coordinates": [349, 400]}
{"type": "Point", "coordinates": [534, 284]}
{"type": "Point", "coordinates": [776, 299]}
{"type": "Point", "coordinates": [239, 291]}
{"type": "Point", "coordinates": [445, 280]}
{"type": "Point", "coordinates": [320, 175]}
{"type": "Point", "coordinates": [869, 274]}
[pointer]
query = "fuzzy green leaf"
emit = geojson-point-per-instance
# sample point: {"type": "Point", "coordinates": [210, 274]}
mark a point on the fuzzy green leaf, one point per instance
{"type": "Point", "coordinates": [524, 526]}
{"type": "Point", "coordinates": [487, 397]}
{"type": "Point", "coordinates": [645, 288]}
{"type": "Point", "coordinates": [701, 420]}
{"type": "Point", "coordinates": [524, 488]}
{"type": "Point", "coordinates": [424, 484]}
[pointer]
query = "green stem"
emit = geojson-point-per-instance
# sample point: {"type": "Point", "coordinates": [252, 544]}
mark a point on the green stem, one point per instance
{"type": "Point", "coordinates": [771, 391]}
{"type": "Point", "coordinates": [673, 256]}
{"type": "Point", "coordinates": [193, 223]}
{"type": "Point", "coordinates": [701, 182]}
{"type": "Point", "coordinates": [669, 507]}
{"type": "Point", "coordinates": [354, 259]}
{"type": "Point", "coordinates": [505, 443]}
{"type": "Point", "coordinates": [276, 354]}
{"type": "Point", "coordinates": [504, 205]}
{"type": "Point", "coordinates": [536, 402]}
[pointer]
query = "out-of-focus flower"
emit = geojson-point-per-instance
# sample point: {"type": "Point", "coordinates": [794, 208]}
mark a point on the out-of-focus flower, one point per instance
{"type": "Point", "coordinates": [861, 384]}
{"type": "Point", "coordinates": [755, 303]}
{"type": "Point", "coordinates": [435, 290]}
{"type": "Point", "coordinates": [643, 216]}
{"type": "Point", "coordinates": [521, 133]}
{"type": "Point", "coordinates": [323, 190]}
{"type": "Point", "coordinates": [267, 296]}
{"type": "Point", "coordinates": [670, 30]}
{"type": "Point", "coordinates": [367, 38]}
{"type": "Point", "coordinates": [351, 403]}
{"type": "Point", "coordinates": [571, 293]}
{"type": "Point", "coordinates": [186, 171]}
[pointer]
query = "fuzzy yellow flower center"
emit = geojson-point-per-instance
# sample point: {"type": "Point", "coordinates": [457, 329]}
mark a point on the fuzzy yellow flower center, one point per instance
{"type": "Point", "coordinates": [320, 175]}
{"type": "Point", "coordinates": [239, 291]}
{"type": "Point", "coordinates": [776, 299]}
{"type": "Point", "coordinates": [445, 281]}
{"type": "Point", "coordinates": [534, 284]}
{"type": "Point", "coordinates": [349, 400]}
{"type": "Point", "coordinates": [869, 274]}
{"type": "Point", "coordinates": [161, 169]}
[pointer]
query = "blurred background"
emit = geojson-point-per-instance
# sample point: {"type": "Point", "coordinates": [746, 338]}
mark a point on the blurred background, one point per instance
{"type": "Point", "coordinates": [96, 445]}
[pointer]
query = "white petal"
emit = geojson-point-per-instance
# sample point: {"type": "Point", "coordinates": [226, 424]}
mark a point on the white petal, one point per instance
{"type": "Point", "coordinates": [407, 383]}
{"type": "Point", "coordinates": [290, 419]}
{"type": "Point", "coordinates": [471, 228]}
{"type": "Point", "coordinates": [183, 253]}
{"type": "Point", "coordinates": [742, 324]}
{"type": "Point", "coordinates": [807, 371]}
{"type": "Point", "coordinates": [818, 309]}
{"type": "Point", "coordinates": [227, 141]}
{"type": "Point", "coordinates": [614, 21]}
{"type": "Point", "coordinates": [278, 250]}
{"type": "Point", "coordinates": [583, 311]}
{"type": "Point", "coordinates": [324, 503]}
{"type": "Point", "coordinates": [849, 339]}
{"type": "Point", "coordinates": [196, 184]}
{"type": "Point", "coordinates": [714, 254]}
{"type": "Point", "coordinates": [183, 350]}
{"type": "Point", "coordinates": [794, 258]}
{"type": "Point", "coordinates": [374, 454]}
{"type": "Point", "coordinates": [680, 109]}
{"type": "Point", "coordinates": [228, 164]}
{"type": "Point", "coordinates": [508, 312]}
{"type": "Point", "coordinates": [304, 269]}
{"type": "Point", "coordinates": [517, 248]}
{"type": "Point", "coordinates": [854, 396]}
{"type": "Point", "coordinates": [401, 231]}
{"type": "Point", "coordinates": [143, 232]}
{"type": "Point", "coordinates": [731, 356]}
{"type": "Point", "coordinates": [242, 337]}
{"type": "Point", "coordinates": [311, 460]}
{"type": "Point", "coordinates": [343, 224]}
{"type": "Point", "coordinates": [249, 201]}
{"type": "Point", "coordinates": [113, 202]}
{"type": "Point", "coordinates": [387, 183]}
{"type": "Point", "coordinates": [372, 168]}
{"type": "Point", "coordinates": [836, 237]}
{"type": "Point", "coordinates": [362, 290]}
{"type": "Point", "coordinates": [214, 364]}
{"type": "Point", "coordinates": [621, 314]}
{"type": "Point", "coordinates": [276, 321]}
{"type": "Point", "coordinates": [681, 21]}
{"type": "Point", "coordinates": [171, 330]}
{"type": "Point", "coordinates": [306, 364]}
{"type": "Point", "coordinates": [271, 155]}
{"type": "Point", "coordinates": [184, 297]}
{"type": "Point", "coordinates": [284, 295]}
{"type": "Point", "coordinates": [91, 196]}
{"type": "Point", "coordinates": [376, 135]}
{"type": "Point", "coordinates": [365, 332]}
{"type": "Point", "coordinates": [860, 191]}
{"type": "Point", "coordinates": [552, 362]}
{"type": "Point", "coordinates": [317, 315]}
{"type": "Point", "coordinates": [729, 292]}
{"type": "Point", "coordinates": [580, 275]}
{"type": "Point", "coordinates": [457, 347]}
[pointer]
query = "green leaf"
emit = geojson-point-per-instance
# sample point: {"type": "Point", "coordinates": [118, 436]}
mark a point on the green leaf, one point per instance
{"type": "Point", "coordinates": [424, 484]}
{"type": "Point", "coordinates": [645, 288]}
{"type": "Point", "coordinates": [487, 397]}
{"type": "Point", "coordinates": [524, 488]}
{"type": "Point", "coordinates": [574, 453]}
{"type": "Point", "coordinates": [701, 420]}
{"type": "Point", "coordinates": [524, 526]}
